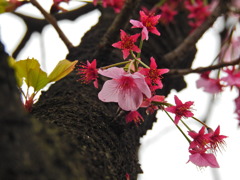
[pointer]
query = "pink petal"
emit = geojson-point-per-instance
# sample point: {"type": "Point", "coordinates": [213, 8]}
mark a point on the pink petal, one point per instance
{"type": "Point", "coordinates": [130, 99]}
{"type": "Point", "coordinates": [113, 72]}
{"type": "Point", "coordinates": [203, 159]}
{"type": "Point", "coordinates": [171, 109]}
{"type": "Point", "coordinates": [136, 24]}
{"type": "Point", "coordinates": [144, 33]}
{"type": "Point", "coordinates": [141, 84]}
{"type": "Point", "coordinates": [117, 45]}
{"type": "Point", "coordinates": [177, 119]}
{"type": "Point", "coordinates": [125, 53]}
{"type": "Point", "coordinates": [177, 101]}
{"type": "Point", "coordinates": [155, 31]}
{"type": "Point", "coordinates": [109, 92]}
{"type": "Point", "coordinates": [153, 64]}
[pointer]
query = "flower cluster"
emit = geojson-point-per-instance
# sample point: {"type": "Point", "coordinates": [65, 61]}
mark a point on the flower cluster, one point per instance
{"type": "Point", "coordinates": [204, 146]}
{"type": "Point", "coordinates": [134, 86]}
{"type": "Point", "coordinates": [227, 77]}
{"type": "Point", "coordinates": [117, 5]}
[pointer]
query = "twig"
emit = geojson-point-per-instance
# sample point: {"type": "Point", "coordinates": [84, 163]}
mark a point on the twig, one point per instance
{"type": "Point", "coordinates": [203, 69]}
{"type": "Point", "coordinates": [37, 25]}
{"type": "Point", "coordinates": [192, 39]}
{"type": "Point", "coordinates": [53, 21]}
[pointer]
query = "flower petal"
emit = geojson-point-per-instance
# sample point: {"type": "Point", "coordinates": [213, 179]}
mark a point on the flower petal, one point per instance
{"type": "Point", "coordinates": [130, 99]}
{"type": "Point", "coordinates": [109, 92]}
{"type": "Point", "coordinates": [113, 72]}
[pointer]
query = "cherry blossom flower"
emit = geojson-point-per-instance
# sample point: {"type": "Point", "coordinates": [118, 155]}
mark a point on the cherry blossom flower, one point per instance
{"type": "Point", "coordinates": [125, 88]}
{"type": "Point", "coordinates": [232, 78]}
{"type": "Point", "coordinates": [88, 72]}
{"type": "Point", "coordinates": [198, 13]}
{"type": "Point", "coordinates": [180, 110]}
{"type": "Point", "coordinates": [147, 23]}
{"type": "Point", "coordinates": [147, 103]}
{"type": "Point", "coordinates": [200, 158]}
{"type": "Point", "coordinates": [217, 140]}
{"type": "Point", "coordinates": [127, 43]}
{"type": "Point", "coordinates": [230, 50]}
{"type": "Point", "coordinates": [167, 14]}
{"type": "Point", "coordinates": [153, 75]}
{"type": "Point", "coordinates": [200, 139]}
{"type": "Point", "coordinates": [134, 116]}
{"type": "Point", "coordinates": [117, 5]}
{"type": "Point", "coordinates": [208, 84]}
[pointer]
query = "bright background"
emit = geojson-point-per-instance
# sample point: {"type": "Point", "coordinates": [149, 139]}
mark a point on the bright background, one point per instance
{"type": "Point", "coordinates": [164, 151]}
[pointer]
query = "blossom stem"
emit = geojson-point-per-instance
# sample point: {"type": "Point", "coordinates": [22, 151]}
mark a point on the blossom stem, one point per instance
{"type": "Point", "coordinates": [200, 122]}
{"type": "Point", "coordinates": [140, 47]}
{"type": "Point", "coordinates": [146, 66]}
{"type": "Point", "coordinates": [177, 126]}
{"type": "Point", "coordinates": [186, 125]}
{"type": "Point", "coordinates": [135, 62]}
{"type": "Point", "coordinates": [116, 64]}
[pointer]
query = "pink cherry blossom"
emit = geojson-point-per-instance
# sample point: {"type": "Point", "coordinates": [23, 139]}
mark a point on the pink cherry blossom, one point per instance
{"type": "Point", "coordinates": [198, 13]}
{"type": "Point", "coordinates": [200, 158]}
{"type": "Point", "coordinates": [208, 84]}
{"type": "Point", "coordinates": [88, 72]}
{"type": "Point", "coordinates": [147, 23]}
{"type": "Point", "coordinates": [200, 139]}
{"type": "Point", "coordinates": [147, 103]}
{"type": "Point", "coordinates": [233, 77]}
{"type": "Point", "coordinates": [153, 75]}
{"type": "Point", "coordinates": [117, 5]}
{"type": "Point", "coordinates": [180, 110]}
{"type": "Point", "coordinates": [127, 43]}
{"type": "Point", "coordinates": [217, 140]}
{"type": "Point", "coordinates": [134, 116]}
{"type": "Point", "coordinates": [167, 14]}
{"type": "Point", "coordinates": [125, 88]}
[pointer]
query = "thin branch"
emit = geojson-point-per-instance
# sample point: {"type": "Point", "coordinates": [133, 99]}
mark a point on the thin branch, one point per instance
{"type": "Point", "coordinates": [203, 69]}
{"type": "Point", "coordinates": [53, 21]}
{"type": "Point", "coordinates": [192, 39]}
{"type": "Point", "coordinates": [37, 25]}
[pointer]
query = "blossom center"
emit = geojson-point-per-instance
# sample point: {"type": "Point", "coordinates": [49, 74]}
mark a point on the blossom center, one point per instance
{"type": "Point", "coordinates": [126, 82]}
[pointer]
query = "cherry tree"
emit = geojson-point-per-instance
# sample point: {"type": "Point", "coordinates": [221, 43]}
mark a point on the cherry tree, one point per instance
{"type": "Point", "coordinates": [105, 95]}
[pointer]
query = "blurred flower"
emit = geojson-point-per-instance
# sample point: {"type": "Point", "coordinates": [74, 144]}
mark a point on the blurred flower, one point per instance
{"type": "Point", "coordinates": [134, 116]}
{"type": "Point", "coordinates": [208, 84]}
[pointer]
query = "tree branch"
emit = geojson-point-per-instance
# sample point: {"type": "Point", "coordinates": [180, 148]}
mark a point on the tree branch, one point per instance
{"type": "Point", "coordinates": [192, 39]}
{"type": "Point", "coordinates": [203, 69]}
{"type": "Point", "coordinates": [53, 21]}
{"type": "Point", "coordinates": [37, 25]}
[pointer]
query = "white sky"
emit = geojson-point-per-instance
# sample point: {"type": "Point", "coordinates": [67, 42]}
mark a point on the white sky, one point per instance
{"type": "Point", "coordinates": [164, 152]}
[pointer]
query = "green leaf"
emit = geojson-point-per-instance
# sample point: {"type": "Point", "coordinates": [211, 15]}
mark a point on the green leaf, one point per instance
{"type": "Point", "coordinates": [30, 71]}
{"type": "Point", "coordinates": [62, 69]}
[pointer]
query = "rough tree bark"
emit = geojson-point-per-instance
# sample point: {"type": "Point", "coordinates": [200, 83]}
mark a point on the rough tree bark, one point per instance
{"type": "Point", "coordinates": [70, 134]}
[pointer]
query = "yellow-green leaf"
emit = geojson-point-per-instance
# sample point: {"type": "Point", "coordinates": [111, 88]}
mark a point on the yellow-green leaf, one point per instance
{"type": "Point", "coordinates": [62, 69]}
{"type": "Point", "coordinates": [30, 71]}
{"type": "Point", "coordinates": [38, 79]}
